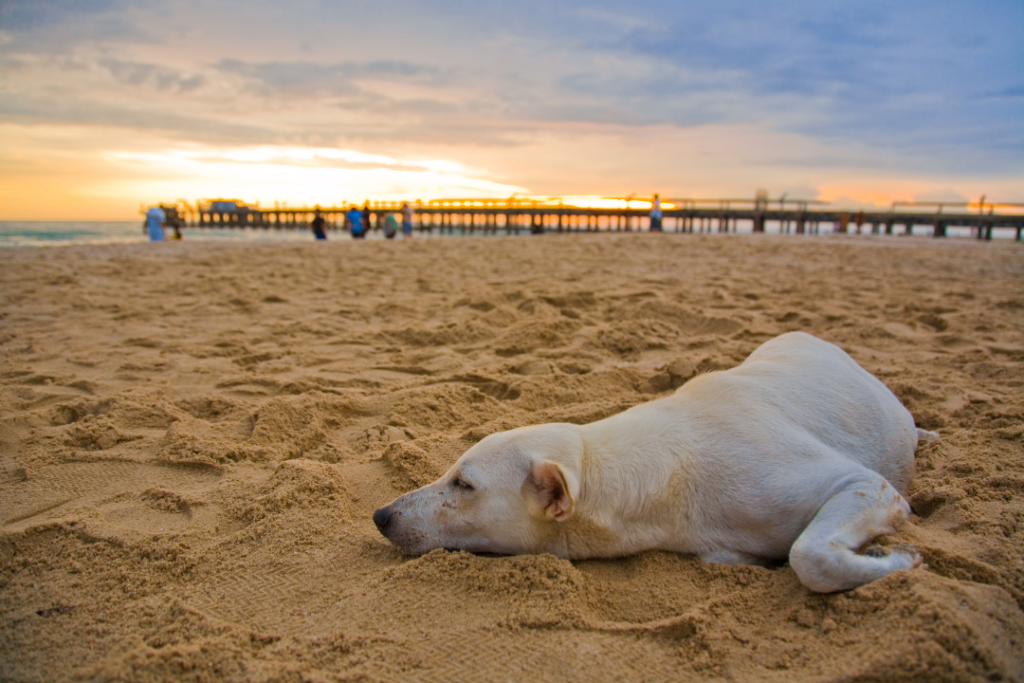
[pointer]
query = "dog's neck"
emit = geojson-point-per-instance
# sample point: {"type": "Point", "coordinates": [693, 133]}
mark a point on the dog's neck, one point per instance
{"type": "Point", "coordinates": [623, 507]}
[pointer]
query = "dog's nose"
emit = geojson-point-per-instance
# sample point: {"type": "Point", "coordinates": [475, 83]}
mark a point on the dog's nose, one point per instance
{"type": "Point", "coordinates": [381, 518]}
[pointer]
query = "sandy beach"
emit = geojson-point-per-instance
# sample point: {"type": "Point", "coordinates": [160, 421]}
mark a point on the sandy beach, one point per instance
{"type": "Point", "coordinates": [193, 438]}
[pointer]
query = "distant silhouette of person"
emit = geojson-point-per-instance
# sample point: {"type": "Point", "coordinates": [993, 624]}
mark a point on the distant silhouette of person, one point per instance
{"type": "Point", "coordinates": [366, 216]}
{"type": "Point", "coordinates": [406, 219]}
{"type": "Point", "coordinates": [844, 222]}
{"type": "Point", "coordinates": [155, 220]}
{"type": "Point", "coordinates": [656, 214]}
{"type": "Point", "coordinates": [318, 225]}
{"type": "Point", "coordinates": [173, 220]}
{"type": "Point", "coordinates": [390, 225]}
{"type": "Point", "coordinates": [355, 223]}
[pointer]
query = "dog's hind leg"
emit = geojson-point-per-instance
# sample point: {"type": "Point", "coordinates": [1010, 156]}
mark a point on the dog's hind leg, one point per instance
{"type": "Point", "coordinates": [824, 556]}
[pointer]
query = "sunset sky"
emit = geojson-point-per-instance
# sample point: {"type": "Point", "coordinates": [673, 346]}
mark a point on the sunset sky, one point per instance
{"type": "Point", "coordinates": [108, 104]}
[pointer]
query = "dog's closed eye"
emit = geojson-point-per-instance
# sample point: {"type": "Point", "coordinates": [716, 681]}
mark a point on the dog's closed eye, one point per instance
{"type": "Point", "coordinates": [460, 483]}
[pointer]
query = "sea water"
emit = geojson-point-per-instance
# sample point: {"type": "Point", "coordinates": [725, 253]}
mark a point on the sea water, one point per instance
{"type": "Point", "coordinates": [61, 233]}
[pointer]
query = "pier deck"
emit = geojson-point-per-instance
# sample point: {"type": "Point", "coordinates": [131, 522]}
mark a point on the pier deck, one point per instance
{"type": "Point", "coordinates": [688, 216]}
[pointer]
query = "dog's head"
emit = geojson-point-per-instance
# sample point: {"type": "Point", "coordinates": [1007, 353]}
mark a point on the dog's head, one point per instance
{"type": "Point", "coordinates": [507, 494]}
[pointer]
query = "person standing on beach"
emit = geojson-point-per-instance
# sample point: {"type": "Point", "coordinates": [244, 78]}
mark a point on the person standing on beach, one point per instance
{"type": "Point", "coordinates": [366, 216]}
{"type": "Point", "coordinates": [390, 225]}
{"type": "Point", "coordinates": [355, 223]}
{"type": "Point", "coordinates": [155, 220]}
{"type": "Point", "coordinates": [406, 219]}
{"type": "Point", "coordinates": [656, 214]}
{"type": "Point", "coordinates": [174, 221]}
{"type": "Point", "coordinates": [318, 226]}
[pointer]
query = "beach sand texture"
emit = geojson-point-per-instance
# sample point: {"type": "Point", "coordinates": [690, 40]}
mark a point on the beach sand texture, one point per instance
{"type": "Point", "coordinates": [193, 438]}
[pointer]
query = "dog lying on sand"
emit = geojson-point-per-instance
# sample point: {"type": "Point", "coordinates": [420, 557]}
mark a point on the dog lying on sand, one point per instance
{"type": "Point", "coordinates": [796, 453]}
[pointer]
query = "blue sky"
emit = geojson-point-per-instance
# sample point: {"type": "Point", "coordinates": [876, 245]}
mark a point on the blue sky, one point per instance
{"type": "Point", "coordinates": [867, 101]}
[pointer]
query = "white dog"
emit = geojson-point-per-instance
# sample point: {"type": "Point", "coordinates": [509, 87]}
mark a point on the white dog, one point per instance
{"type": "Point", "coordinates": [798, 452]}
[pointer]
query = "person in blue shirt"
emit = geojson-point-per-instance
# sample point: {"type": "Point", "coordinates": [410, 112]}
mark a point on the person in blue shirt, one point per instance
{"type": "Point", "coordinates": [355, 223]}
{"type": "Point", "coordinates": [656, 214]}
{"type": "Point", "coordinates": [406, 219]}
{"type": "Point", "coordinates": [155, 219]}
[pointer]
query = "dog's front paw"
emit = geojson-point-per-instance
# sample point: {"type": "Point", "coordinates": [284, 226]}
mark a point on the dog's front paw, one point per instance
{"type": "Point", "coordinates": [911, 552]}
{"type": "Point", "coordinates": [907, 553]}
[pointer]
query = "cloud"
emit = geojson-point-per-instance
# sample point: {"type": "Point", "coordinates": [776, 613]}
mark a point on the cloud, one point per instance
{"type": "Point", "coordinates": [797, 192]}
{"type": "Point", "coordinates": [857, 203]}
{"type": "Point", "coordinates": [25, 15]}
{"type": "Point", "coordinates": [876, 73]}
{"type": "Point", "coordinates": [152, 75]}
{"type": "Point", "coordinates": [1013, 91]}
{"type": "Point", "coordinates": [946, 194]}
{"type": "Point", "coordinates": [312, 79]}
{"type": "Point", "coordinates": [58, 26]}
{"type": "Point", "coordinates": [85, 113]}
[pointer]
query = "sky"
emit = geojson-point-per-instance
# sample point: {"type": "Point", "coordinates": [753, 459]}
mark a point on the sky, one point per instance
{"type": "Point", "coordinates": [107, 105]}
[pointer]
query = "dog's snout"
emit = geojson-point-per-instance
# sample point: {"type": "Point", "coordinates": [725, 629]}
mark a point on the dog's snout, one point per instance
{"type": "Point", "coordinates": [381, 518]}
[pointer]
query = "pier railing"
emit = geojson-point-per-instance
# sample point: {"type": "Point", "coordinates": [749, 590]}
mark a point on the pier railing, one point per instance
{"type": "Point", "coordinates": [517, 215]}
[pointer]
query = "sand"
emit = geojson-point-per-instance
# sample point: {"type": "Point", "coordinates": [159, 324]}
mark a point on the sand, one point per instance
{"type": "Point", "coordinates": [193, 438]}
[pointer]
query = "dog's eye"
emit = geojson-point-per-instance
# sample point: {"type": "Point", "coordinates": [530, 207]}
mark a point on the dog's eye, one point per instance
{"type": "Point", "coordinates": [460, 483]}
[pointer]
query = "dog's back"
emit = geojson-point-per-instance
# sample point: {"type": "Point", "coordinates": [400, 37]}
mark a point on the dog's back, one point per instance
{"type": "Point", "coordinates": [875, 429]}
{"type": "Point", "coordinates": [814, 386]}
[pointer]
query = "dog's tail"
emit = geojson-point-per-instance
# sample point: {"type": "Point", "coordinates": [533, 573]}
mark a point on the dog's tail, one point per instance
{"type": "Point", "coordinates": [925, 435]}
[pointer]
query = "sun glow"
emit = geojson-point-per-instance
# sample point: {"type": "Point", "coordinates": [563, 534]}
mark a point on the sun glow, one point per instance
{"type": "Point", "coordinates": [291, 156]}
{"type": "Point", "coordinates": [290, 175]}
{"type": "Point", "coordinates": [597, 202]}
{"type": "Point", "coordinates": [267, 175]}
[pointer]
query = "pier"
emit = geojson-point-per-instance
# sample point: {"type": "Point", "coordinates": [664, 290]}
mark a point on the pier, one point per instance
{"type": "Point", "coordinates": [536, 216]}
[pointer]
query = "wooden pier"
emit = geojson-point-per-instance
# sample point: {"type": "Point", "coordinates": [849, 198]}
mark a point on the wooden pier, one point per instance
{"type": "Point", "coordinates": [525, 216]}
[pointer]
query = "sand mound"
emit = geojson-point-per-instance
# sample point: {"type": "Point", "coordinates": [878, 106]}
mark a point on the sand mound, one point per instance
{"type": "Point", "coordinates": [193, 438]}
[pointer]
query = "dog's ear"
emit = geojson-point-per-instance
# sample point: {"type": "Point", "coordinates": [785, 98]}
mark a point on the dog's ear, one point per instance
{"type": "Point", "coordinates": [550, 490]}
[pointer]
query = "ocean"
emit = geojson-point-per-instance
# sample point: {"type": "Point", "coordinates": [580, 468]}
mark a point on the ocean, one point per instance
{"type": "Point", "coordinates": [14, 234]}
{"type": "Point", "coordinates": [61, 233]}
{"type": "Point", "coordinates": [18, 234]}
